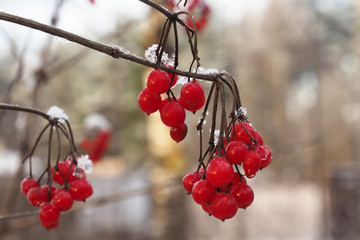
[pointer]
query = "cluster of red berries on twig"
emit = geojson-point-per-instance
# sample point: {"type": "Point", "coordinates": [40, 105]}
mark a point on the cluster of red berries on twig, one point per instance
{"type": "Point", "coordinates": [171, 109]}
{"type": "Point", "coordinates": [221, 189]}
{"type": "Point", "coordinates": [72, 185]}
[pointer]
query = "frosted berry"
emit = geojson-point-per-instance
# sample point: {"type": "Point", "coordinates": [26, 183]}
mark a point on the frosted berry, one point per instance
{"type": "Point", "coordinates": [265, 156]}
{"type": "Point", "coordinates": [178, 133]}
{"type": "Point", "coordinates": [158, 81]}
{"type": "Point", "coordinates": [148, 101]}
{"type": "Point", "coordinates": [49, 216]}
{"type": "Point", "coordinates": [223, 206]}
{"type": "Point", "coordinates": [192, 96]}
{"type": "Point", "coordinates": [172, 114]}
{"type": "Point", "coordinates": [27, 184]}
{"type": "Point", "coordinates": [202, 192]}
{"type": "Point", "coordinates": [219, 172]}
{"type": "Point", "coordinates": [243, 194]}
{"type": "Point", "coordinates": [189, 180]}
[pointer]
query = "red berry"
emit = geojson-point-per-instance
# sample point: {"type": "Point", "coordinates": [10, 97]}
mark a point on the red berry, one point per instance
{"type": "Point", "coordinates": [202, 192]}
{"type": "Point", "coordinates": [234, 180]}
{"type": "Point", "coordinates": [259, 138]}
{"type": "Point", "coordinates": [62, 200]}
{"type": "Point", "coordinates": [158, 81]}
{"type": "Point", "coordinates": [49, 216]}
{"type": "Point", "coordinates": [189, 180]}
{"type": "Point", "coordinates": [178, 133]}
{"type": "Point", "coordinates": [50, 193]}
{"type": "Point", "coordinates": [219, 172]}
{"type": "Point", "coordinates": [265, 156]}
{"type": "Point", "coordinates": [236, 151]}
{"type": "Point", "coordinates": [36, 196]}
{"type": "Point", "coordinates": [172, 114]}
{"type": "Point", "coordinates": [148, 101]}
{"type": "Point", "coordinates": [27, 184]}
{"type": "Point", "coordinates": [205, 207]}
{"type": "Point", "coordinates": [240, 133]}
{"type": "Point", "coordinates": [251, 164]}
{"type": "Point", "coordinates": [192, 96]}
{"type": "Point", "coordinates": [81, 189]}
{"type": "Point", "coordinates": [63, 171]}
{"type": "Point", "coordinates": [174, 80]}
{"type": "Point", "coordinates": [243, 194]}
{"type": "Point", "coordinates": [223, 206]}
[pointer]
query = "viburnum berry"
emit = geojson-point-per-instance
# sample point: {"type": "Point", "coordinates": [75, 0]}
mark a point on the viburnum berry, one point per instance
{"type": "Point", "coordinates": [205, 207]}
{"type": "Point", "coordinates": [265, 156]}
{"type": "Point", "coordinates": [50, 193]}
{"type": "Point", "coordinates": [27, 184]}
{"type": "Point", "coordinates": [202, 192]}
{"type": "Point", "coordinates": [81, 189]}
{"type": "Point", "coordinates": [219, 172]}
{"type": "Point", "coordinates": [236, 151]}
{"type": "Point", "coordinates": [192, 96]}
{"type": "Point", "coordinates": [49, 216]}
{"type": "Point", "coordinates": [251, 164]}
{"type": "Point", "coordinates": [36, 196]}
{"type": "Point", "coordinates": [172, 114]}
{"type": "Point", "coordinates": [148, 101]}
{"type": "Point", "coordinates": [234, 180]}
{"type": "Point", "coordinates": [178, 133]}
{"type": "Point", "coordinates": [63, 200]}
{"type": "Point", "coordinates": [243, 194]}
{"type": "Point", "coordinates": [173, 80]}
{"type": "Point", "coordinates": [189, 180]}
{"type": "Point", "coordinates": [240, 134]}
{"type": "Point", "coordinates": [158, 81]}
{"type": "Point", "coordinates": [63, 171]}
{"type": "Point", "coordinates": [223, 206]}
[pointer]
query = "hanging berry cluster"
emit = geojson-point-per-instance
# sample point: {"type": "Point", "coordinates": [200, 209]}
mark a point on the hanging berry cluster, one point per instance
{"type": "Point", "coordinates": [235, 149]}
{"type": "Point", "coordinates": [65, 181]}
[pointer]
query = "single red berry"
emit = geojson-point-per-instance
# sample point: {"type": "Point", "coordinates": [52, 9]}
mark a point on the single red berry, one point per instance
{"type": "Point", "coordinates": [265, 156]}
{"type": "Point", "coordinates": [172, 114]}
{"type": "Point", "coordinates": [205, 207]}
{"type": "Point", "coordinates": [202, 192]}
{"type": "Point", "coordinates": [81, 189]}
{"type": "Point", "coordinates": [241, 134]}
{"type": "Point", "coordinates": [223, 206]}
{"type": "Point", "coordinates": [49, 216]}
{"type": "Point", "coordinates": [259, 138]}
{"type": "Point", "coordinates": [63, 171]}
{"type": "Point", "coordinates": [219, 172]}
{"type": "Point", "coordinates": [27, 184]}
{"type": "Point", "coordinates": [173, 80]}
{"type": "Point", "coordinates": [243, 194]}
{"type": "Point", "coordinates": [192, 96]}
{"type": "Point", "coordinates": [189, 180]}
{"type": "Point", "coordinates": [36, 196]}
{"type": "Point", "coordinates": [251, 164]}
{"type": "Point", "coordinates": [202, 171]}
{"type": "Point", "coordinates": [50, 193]}
{"type": "Point", "coordinates": [178, 133]}
{"type": "Point", "coordinates": [148, 101]}
{"type": "Point", "coordinates": [63, 200]}
{"type": "Point", "coordinates": [236, 151]}
{"type": "Point", "coordinates": [158, 81]}
{"type": "Point", "coordinates": [234, 180]}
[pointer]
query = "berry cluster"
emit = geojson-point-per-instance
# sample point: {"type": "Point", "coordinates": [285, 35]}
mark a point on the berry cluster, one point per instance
{"type": "Point", "coordinates": [72, 185]}
{"type": "Point", "coordinates": [172, 110]}
{"type": "Point", "coordinates": [220, 188]}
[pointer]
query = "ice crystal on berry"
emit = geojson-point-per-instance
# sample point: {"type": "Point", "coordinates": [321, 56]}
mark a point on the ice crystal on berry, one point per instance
{"type": "Point", "coordinates": [85, 164]}
{"type": "Point", "coordinates": [150, 54]}
{"type": "Point", "coordinates": [57, 113]}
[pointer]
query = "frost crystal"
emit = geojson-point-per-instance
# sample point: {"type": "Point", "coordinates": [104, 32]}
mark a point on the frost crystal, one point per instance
{"type": "Point", "coordinates": [121, 49]}
{"type": "Point", "coordinates": [241, 111]}
{"type": "Point", "coordinates": [216, 136]}
{"type": "Point", "coordinates": [202, 70]}
{"type": "Point", "coordinates": [57, 113]}
{"type": "Point", "coordinates": [85, 164]}
{"type": "Point", "coordinates": [150, 55]}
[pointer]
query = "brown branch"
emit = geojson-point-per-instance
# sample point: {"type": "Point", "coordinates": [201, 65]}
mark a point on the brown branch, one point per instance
{"type": "Point", "coordinates": [112, 51]}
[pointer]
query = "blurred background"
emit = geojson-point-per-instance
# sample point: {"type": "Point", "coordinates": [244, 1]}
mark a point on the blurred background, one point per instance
{"type": "Point", "coordinates": [297, 67]}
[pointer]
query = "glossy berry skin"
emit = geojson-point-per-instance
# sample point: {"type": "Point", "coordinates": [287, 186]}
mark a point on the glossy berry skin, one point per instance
{"type": "Point", "coordinates": [148, 101]}
{"type": "Point", "coordinates": [158, 81]}
{"type": "Point", "coordinates": [36, 196]}
{"type": "Point", "coordinates": [219, 172]}
{"type": "Point", "coordinates": [192, 96]}
{"type": "Point", "coordinates": [189, 180]}
{"type": "Point", "coordinates": [205, 207]}
{"type": "Point", "coordinates": [81, 189]}
{"type": "Point", "coordinates": [251, 164]}
{"type": "Point", "coordinates": [50, 193]}
{"type": "Point", "coordinates": [223, 206]}
{"type": "Point", "coordinates": [240, 133]}
{"type": "Point", "coordinates": [174, 80]}
{"type": "Point", "coordinates": [62, 200]}
{"type": "Point", "coordinates": [179, 133]}
{"type": "Point", "coordinates": [243, 194]}
{"type": "Point", "coordinates": [234, 180]}
{"type": "Point", "coordinates": [27, 184]}
{"type": "Point", "coordinates": [172, 114]}
{"type": "Point", "coordinates": [236, 151]}
{"type": "Point", "coordinates": [202, 192]}
{"type": "Point", "coordinates": [265, 156]}
{"type": "Point", "coordinates": [49, 216]}
{"type": "Point", "coordinates": [62, 172]}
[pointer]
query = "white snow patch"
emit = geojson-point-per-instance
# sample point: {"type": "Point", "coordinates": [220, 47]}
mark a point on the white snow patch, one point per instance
{"type": "Point", "coordinates": [57, 113]}
{"type": "Point", "coordinates": [85, 164]}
